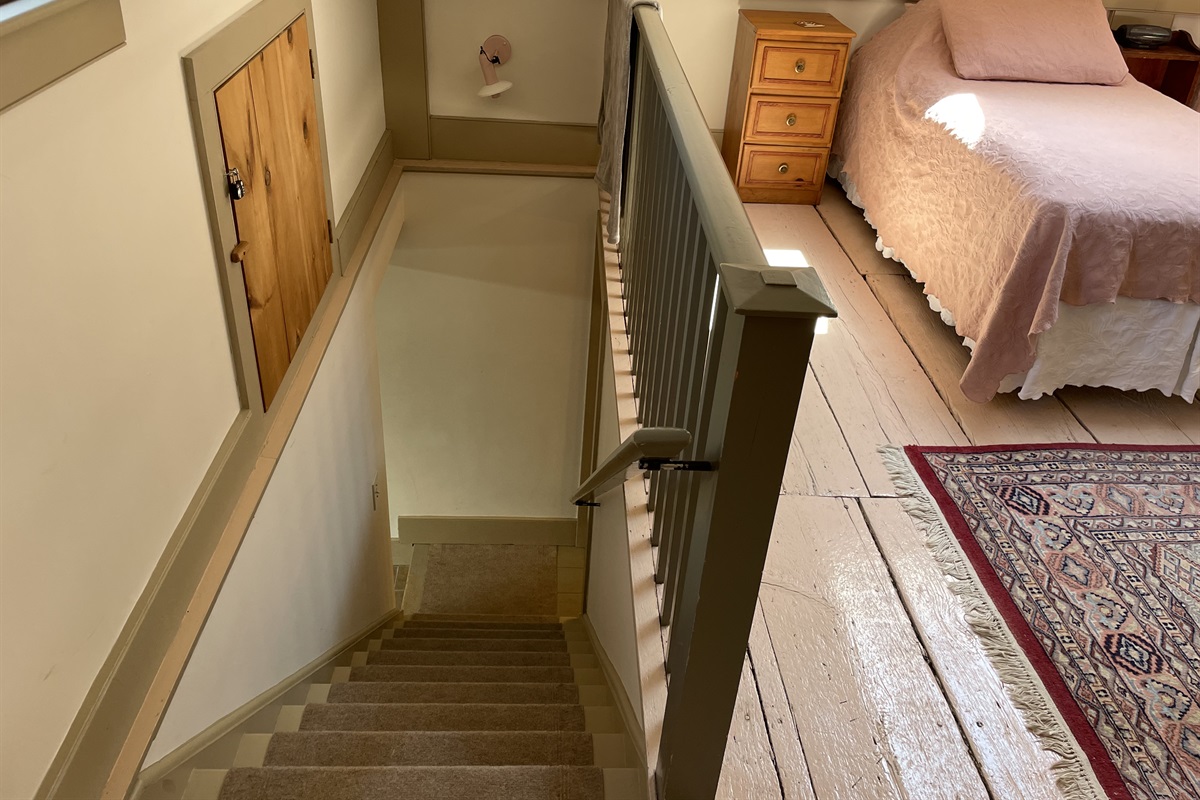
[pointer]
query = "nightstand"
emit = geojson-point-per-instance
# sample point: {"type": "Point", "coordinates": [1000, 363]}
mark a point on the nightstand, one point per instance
{"type": "Point", "coordinates": [1173, 69]}
{"type": "Point", "coordinates": [788, 71]}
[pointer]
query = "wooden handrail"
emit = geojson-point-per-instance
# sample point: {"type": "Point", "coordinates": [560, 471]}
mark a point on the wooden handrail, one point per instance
{"type": "Point", "coordinates": [719, 344]}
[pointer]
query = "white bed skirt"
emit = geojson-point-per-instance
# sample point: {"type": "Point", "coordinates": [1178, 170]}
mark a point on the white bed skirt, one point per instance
{"type": "Point", "coordinates": [1134, 345]}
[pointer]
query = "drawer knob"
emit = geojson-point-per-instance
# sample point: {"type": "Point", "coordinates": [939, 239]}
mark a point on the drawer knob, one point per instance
{"type": "Point", "coordinates": [783, 168]}
{"type": "Point", "coordinates": [791, 120]}
{"type": "Point", "coordinates": [800, 65]}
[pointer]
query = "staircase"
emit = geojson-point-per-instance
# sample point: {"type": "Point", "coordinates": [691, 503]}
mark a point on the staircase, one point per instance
{"type": "Point", "coordinates": [446, 708]}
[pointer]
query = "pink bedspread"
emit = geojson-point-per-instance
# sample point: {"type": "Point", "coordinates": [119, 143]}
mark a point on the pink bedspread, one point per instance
{"type": "Point", "coordinates": [1004, 198]}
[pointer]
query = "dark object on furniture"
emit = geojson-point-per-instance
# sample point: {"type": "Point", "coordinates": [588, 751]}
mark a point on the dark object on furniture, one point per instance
{"type": "Point", "coordinates": [1173, 69]}
{"type": "Point", "coordinates": [1143, 37]}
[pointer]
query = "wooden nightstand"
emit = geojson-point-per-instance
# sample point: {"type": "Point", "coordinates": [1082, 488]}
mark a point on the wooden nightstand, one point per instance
{"type": "Point", "coordinates": [788, 71]}
{"type": "Point", "coordinates": [1173, 69]}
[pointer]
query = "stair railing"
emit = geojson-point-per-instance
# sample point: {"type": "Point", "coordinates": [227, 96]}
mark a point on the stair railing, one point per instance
{"type": "Point", "coordinates": [719, 344]}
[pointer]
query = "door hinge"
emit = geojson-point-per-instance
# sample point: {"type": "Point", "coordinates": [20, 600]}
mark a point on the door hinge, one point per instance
{"type": "Point", "coordinates": [329, 229]}
{"type": "Point", "coordinates": [312, 65]}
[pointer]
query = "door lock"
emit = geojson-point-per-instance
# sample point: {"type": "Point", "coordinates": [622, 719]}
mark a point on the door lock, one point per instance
{"type": "Point", "coordinates": [237, 187]}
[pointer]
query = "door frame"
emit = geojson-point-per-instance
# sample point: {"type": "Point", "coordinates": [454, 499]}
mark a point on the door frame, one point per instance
{"type": "Point", "coordinates": [206, 67]}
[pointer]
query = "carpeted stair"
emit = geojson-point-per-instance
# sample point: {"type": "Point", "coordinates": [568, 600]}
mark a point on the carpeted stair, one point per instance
{"type": "Point", "coordinates": [446, 708]}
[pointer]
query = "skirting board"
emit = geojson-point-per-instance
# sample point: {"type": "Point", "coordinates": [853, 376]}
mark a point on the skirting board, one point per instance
{"type": "Point", "coordinates": [621, 698]}
{"type": "Point", "coordinates": [515, 141]}
{"type": "Point", "coordinates": [487, 530]}
{"type": "Point", "coordinates": [497, 168]}
{"type": "Point", "coordinates": [167, 778]}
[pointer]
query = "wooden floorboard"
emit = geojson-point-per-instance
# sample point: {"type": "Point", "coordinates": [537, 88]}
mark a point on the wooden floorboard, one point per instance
{"type": "Point", "coordinates": [872, 718]}
{"type": "Point", "coordinates": [867, 681]}
{"type": "Point", "coordinates": [1010, 758]}
{"type": "Point", "coordinates": [749, 766]}
{"type": "Point", "coordinates": [878, 392]}
{"type": "Point", "coordinates": [1117, 417]}
{"type": "Point", "coordinates": [854, 233]}
{"type": "Point", "coordinates": [790, 762]}
{"type": "Point", "coordinates": [1006, 419]}
{"type": "Point", "coordinates": [820, 461]}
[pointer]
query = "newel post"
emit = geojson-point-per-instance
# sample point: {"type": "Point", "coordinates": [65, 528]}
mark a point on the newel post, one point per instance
{"type": "Point", "coordinates": [762, 335]}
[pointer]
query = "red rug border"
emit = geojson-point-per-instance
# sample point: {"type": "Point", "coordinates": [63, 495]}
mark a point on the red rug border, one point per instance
{"type": "Point", "coordinates": [1102, 765]}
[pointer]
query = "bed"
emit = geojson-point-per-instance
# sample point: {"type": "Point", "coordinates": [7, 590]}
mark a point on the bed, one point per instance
{"type": "Point", "coordinates": [1055, 226]}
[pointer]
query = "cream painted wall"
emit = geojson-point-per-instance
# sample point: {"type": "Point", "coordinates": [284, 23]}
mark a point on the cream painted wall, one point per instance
{"type": "Point", "coordinates": [116, 383]}
{"type": "Point", "coordinates": [315, 567]}
{"type": "Point", "coordinates": [610, 586]}
{"type": "Point", "coordinates": [483, 324]}
{"type": "Point", "coordinates": [351, 90]}
{"type": "Point", "coordinates": [556, 68]}
{"type": "Point", "coordinates": [702, 32]}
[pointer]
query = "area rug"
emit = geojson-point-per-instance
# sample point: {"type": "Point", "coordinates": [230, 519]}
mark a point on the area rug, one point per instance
{"type": "Point", "coordinates": [1079, 569]}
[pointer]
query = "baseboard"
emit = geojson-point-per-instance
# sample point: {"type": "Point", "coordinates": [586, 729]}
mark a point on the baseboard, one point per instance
{"type": "Point", "coordinates": [514, 141]}
{"type": "Point", "coordinates": [354, 219]}
{"type": "Point", "coordinates": [620, 697]}
{"type": "Point", "coordinates": [167, 778]}
{"type": "Point", "coordinates": [487, 530]}
{"type": "Point", "coordinates": [497, 168]}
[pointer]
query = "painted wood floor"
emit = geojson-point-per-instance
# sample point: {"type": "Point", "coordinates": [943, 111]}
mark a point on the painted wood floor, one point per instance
{"type": "Point", "coordinates": [862, 678]}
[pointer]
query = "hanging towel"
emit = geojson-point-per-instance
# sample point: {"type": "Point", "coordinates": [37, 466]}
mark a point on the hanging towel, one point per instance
{"type": "Point", "coordinates": [614, 104]}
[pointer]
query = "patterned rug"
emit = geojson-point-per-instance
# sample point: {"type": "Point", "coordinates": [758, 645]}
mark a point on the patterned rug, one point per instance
{"type": "Point", "coordinates": [1089, 558]}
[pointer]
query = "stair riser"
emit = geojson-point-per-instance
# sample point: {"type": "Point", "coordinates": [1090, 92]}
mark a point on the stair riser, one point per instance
{"type": "Point", "coordinates": [414, 624]}
{"type": "Point", "coordinates": [363, 692]}
{"type": "Point", "coordinates": [479, 645]}
{"type": "Point", "coordinates": [354, 749]}
{"type": "Point", "coordinates": [382, 673]}
{"type": "Point", "coordinates": [472, 659]}
{"type": "Point", "coordinates": [489, 618]}
{"type": "Point", "coordinates": [472, 633]}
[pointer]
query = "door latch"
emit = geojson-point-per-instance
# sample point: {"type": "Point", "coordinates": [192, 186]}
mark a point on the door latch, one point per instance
{"type": "Point", "coordinates": [237, 187]}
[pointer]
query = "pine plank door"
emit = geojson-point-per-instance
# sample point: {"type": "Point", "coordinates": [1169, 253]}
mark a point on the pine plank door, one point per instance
{"type": "Point", "coordinates": [269, 131]}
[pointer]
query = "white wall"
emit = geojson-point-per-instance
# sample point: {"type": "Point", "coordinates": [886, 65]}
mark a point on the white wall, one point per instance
{"type": "Point", "coordinates": [351, 90]}
{"type": "Point", "coordinates": [556, 68]}
{"type": "Point", "coordinates": [315, 567]}
{"type": "Point", "coordinates": [610, 586]}
{"type": "Point", "coordinates": [116, 383]}
{"type": "Point", "coordinates": [703, 31]}
{"type": "Point", "coordinates": [483, 324]}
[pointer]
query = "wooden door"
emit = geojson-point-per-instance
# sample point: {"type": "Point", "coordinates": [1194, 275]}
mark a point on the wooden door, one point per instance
{"type": "Point", "coordinates": [268, 117]}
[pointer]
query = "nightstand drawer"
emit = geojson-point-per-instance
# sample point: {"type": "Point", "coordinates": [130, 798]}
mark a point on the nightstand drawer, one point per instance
{"type": "Point", "coordinates": [808, 69]}
{"type": "Point", "coordinates": [790, 120]}
{"type": "Point", "coordinates": [782, 167]}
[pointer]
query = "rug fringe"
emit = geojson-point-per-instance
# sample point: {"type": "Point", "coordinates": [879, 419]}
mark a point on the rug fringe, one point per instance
{"type": "Point", "coordinates": [1072, 773]}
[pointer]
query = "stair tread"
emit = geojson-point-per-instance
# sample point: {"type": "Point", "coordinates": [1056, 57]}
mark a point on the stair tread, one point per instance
{"type": "Point", "coordinates": [414, 783]}
{"type": "Point", "coordinates": [440, 674]}
{"type": "Point", "coordinates": [469, 658]}
{"type": "Point", "coordinates": [481, 625]}
{"type": "Point", "coordinates": [430, 748]}
{"type": "Point", "coordinates": [452, 692]}
{"type": "Point", "coordinates": [477, 633]}
{"type": "Point", "coordinates": [464, 645]}
{"type": "Point", "coordinates": [421, 617]}
{"type": "Point", "coordinates": [444, 717]}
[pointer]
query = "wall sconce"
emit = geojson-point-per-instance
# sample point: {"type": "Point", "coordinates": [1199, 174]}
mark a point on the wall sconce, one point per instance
{"type": "Point", "coordinates": [494, 52]}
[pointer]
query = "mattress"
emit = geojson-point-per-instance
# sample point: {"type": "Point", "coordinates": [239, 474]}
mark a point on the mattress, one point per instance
{"type": "Point", "coordinates": [1010, 201]}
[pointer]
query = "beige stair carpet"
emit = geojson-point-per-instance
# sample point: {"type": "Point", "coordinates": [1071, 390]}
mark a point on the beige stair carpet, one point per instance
{"type": "Point", "coordinates": [494, 579]}
{"type": "Point", "coordinates": [448, 708]}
